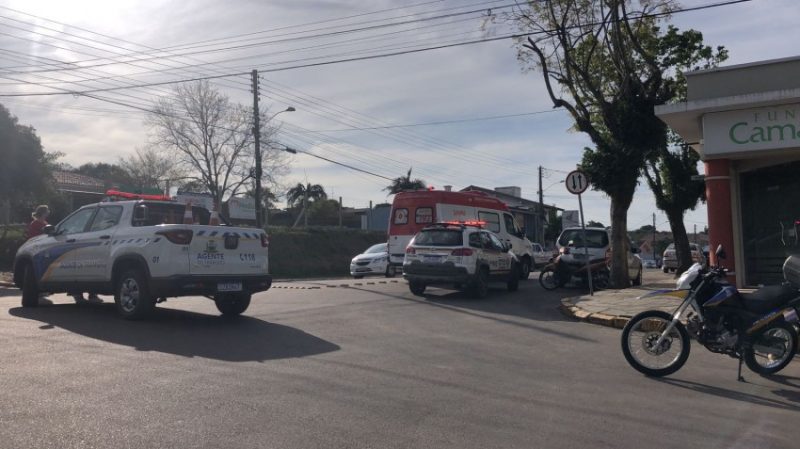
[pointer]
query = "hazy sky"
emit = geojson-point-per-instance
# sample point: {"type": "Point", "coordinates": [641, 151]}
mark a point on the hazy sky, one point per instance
{"type": "Point", "coordinates": [445, 85]}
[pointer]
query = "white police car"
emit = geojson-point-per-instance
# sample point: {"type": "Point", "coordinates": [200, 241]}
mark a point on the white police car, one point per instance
{"type": "Point", "coordinates": [459, 254]}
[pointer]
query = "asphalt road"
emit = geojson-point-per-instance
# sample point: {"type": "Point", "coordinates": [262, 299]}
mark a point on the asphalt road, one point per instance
{"type": "Point", "coordinates": [368, 366]}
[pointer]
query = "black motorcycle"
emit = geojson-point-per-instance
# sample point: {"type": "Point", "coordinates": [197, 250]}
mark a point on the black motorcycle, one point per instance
{"type": "Point", "coordinates": [558, 273]}
{"type": "Point", "coordinates": [758, 328]}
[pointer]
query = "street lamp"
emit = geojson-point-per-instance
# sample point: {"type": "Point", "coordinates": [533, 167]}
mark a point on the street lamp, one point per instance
{"type": "Point", "coordinates": [257, 136]}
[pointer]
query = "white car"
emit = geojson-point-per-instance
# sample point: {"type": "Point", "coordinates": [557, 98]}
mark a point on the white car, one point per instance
{"type": "Point", "coordinates": [540, 256]}
{"type": "Point", "coordinates": [140, 252]}
{"type": "Point", "coordinates": [459, 255]}
{"type": "Point", "coordinates": [598, 243]}
{"type": "Point", "coordinates": [375, 260]}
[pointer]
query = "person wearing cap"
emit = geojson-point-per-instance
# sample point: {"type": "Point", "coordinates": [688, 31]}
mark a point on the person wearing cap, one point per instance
{"type": "Point", "coordinates": [36, 227]}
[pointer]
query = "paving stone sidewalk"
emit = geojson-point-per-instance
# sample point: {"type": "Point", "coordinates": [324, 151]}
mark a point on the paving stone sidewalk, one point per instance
{"type": "Point", "coordinates": [615, 307]}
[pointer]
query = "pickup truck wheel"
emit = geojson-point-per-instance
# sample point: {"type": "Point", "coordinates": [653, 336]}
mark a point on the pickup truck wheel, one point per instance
{"type": "Point", "coordinates": [232, 304]}
{"type": "Point", "coordinates": [30, 289]}
{"type": "Point", "coordinates": [133, 297]}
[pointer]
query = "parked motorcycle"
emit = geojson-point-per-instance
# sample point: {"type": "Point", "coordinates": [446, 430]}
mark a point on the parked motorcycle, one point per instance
{"type": "Point", "coordinates": [558, 273]}
{"type": "Point", "coordinates": [758, 328]}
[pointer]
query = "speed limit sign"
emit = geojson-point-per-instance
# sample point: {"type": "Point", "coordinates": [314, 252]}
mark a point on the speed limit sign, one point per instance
{"type": "Point", "coordinates": [577, 182]}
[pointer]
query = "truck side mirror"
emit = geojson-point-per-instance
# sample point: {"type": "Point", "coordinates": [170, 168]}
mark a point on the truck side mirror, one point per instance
{"type": "Point", "coordinates": [720, 252]}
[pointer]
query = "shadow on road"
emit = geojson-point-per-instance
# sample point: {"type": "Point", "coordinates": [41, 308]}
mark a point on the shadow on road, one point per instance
{"type": "Point", "coordinates": [184, 333]}
{"type": "Point", "coordinates": [737, 395]}
{"type": "Point", "coordinates": [499, 302]}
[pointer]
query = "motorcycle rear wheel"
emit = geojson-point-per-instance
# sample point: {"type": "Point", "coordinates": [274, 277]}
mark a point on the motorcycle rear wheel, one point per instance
{"type": "Point", "coordinates": [549, 280]}
{"type": "Point", "coordinates": [780, 338]}
{"type": "Point", "coordinates": [638, 340]}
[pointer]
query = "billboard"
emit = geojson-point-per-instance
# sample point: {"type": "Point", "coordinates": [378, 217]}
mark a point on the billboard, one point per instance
{"type": "Point", "coordinates": [242, 208]}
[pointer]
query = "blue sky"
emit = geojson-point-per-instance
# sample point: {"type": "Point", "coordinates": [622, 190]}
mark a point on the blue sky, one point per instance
{"type": "Point", "coordinates": [442, 85]}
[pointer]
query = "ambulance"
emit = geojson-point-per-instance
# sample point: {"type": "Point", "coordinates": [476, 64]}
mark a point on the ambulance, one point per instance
{"type": "Point", "coordinates": [414, 210]}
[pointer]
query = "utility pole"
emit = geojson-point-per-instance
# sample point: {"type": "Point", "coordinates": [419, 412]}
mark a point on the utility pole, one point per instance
{"type": "Point", "coordinates": [695, 233]}
{"type": "Point", "coordinates": [257, 142]}
{"type": "Point", "coordinates": [340, 212]}
{"type": "Point", "coordinates": [305, 206]}
{"type": "Point", "coordinates": [540, 224]}
{"type": "Point", "coordinates": [654, 236]}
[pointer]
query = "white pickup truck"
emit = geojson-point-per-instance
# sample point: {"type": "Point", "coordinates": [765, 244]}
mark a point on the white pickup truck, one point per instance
{"type": "Point", "coordinates": [140, 252]}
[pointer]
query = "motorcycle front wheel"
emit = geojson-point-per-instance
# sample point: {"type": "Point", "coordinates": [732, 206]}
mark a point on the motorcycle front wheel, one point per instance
{"type": "Point", "coordinates": [639, 339]}
{"type": "Point", "coordinates": [771, 349]}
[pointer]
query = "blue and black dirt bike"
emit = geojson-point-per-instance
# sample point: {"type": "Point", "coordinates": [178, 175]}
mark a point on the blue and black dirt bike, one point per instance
{"type": "Point", "coordinates": [759, 328]}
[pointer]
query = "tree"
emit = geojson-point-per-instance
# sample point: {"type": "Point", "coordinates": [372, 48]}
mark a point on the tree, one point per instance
{"type": "Point", "coordinates": [212, 138]}
{"type": "Point", "coordinates": [595, 224]}
{"type": "Point", "coordinates": [111, 174]}
{"type": "Point", "coordinates": [602, 61]}
{"type": "Point", "coordinates": [312, 192]}
{"type": "Point", "coordinates": [150, 168]}
{"type": "Point", "coordinates": [403, 183]}
{"type": "Point", "coordinates": [324, 212]}
{"type": "Point", "coordinates": [645, 228]}
{"type": "Point", "coordinates": [25, 171]}
{"type": "Point", "coordinates": [670, 170]}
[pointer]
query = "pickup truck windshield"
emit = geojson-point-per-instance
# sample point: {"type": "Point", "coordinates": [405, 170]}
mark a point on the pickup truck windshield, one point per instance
{"type": "Point", "coordinates": [164, 213]}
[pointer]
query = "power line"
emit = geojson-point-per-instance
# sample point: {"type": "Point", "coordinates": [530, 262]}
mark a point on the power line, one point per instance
{"type": "Point", "coordinates": [441, 122]}
{"type": "Point", "coordinates": [363, 58]}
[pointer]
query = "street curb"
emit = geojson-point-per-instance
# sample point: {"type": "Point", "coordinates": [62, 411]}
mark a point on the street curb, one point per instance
{"type": "Point", "coordinates": [7, 284]}
{"type": "Point", "coordinates": [569, 309]}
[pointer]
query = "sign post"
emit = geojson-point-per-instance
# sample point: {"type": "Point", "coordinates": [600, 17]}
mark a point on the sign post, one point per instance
{"type": "Point", "coordinates": [577, 182]}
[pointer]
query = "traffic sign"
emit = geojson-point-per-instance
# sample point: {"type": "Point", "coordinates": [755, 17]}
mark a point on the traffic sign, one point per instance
{"type": "Point", "coordinates": [577, 182]}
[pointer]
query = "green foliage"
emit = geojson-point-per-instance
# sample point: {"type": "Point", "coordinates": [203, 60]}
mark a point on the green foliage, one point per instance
{"type": "Point", "coordinates": [324, 213]}
{"type": "Point", "coordinates": [645, 228]}
{"type": "Point", "coordinates": [403, 183]}
{"type": "Point", "coordinates": [111, 174]}
{"type": "Point", "coordinates": [25, 172]}
{"type": "Point", "coordinates": [295, 195]}
{"type": "Point", "coordinates": [595, 224]}
{"type": "Point", "coordinates": [609, 64]}
{"type": "Point", "coordinates": [310, 252]}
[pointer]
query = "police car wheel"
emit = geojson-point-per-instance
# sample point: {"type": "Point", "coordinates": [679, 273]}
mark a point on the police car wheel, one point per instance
{"type": "Point", "coordinates": [480, 286]}
{"type": "Point", "coordinates": [417, 288]}
{"type": "Point", "coordinates": [390, 271]}
{"type": "Point", "coordinates": [513, 281]}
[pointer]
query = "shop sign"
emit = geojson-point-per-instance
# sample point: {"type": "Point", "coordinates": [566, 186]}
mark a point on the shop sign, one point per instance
{"type": "Point", "coordinates": [770, 128]}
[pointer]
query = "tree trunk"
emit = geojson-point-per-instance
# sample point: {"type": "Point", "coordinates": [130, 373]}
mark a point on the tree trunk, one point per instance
{"type": "Point", "coordinates": [683, 253]}
{"type": "Point", "coordinates": [619, 243]}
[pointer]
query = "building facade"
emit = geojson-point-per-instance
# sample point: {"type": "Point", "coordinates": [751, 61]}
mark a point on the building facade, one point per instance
{"type": "Point", "coordinates": [744, 121]}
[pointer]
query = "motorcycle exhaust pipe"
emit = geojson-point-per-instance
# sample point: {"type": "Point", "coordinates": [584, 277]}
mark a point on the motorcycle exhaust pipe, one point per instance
{"type": "Point", "coordinates": [770, 350]}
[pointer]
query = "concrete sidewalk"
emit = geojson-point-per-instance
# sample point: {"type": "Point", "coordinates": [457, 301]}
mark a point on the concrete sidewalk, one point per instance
{"type": "Point", "coordinates": [615, 307]}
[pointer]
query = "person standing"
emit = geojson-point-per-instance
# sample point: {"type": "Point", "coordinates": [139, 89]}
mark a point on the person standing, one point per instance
{"type": "Point", "coordinates": [36, 226]}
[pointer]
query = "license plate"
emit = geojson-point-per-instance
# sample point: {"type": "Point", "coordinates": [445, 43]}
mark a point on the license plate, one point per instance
{"type": "Point", "coordinates": [434, 259]}
{"type": "Point", "coordinates": [229, 287]}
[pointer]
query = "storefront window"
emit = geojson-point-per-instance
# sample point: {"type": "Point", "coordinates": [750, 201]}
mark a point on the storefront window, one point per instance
{"type": "Point", "coordinates": [770, 210]}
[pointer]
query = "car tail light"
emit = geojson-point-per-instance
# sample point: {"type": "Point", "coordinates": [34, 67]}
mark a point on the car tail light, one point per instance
{"type": "Point", "coordinates": [178, 236]}
{"type": "Point", "coordinates": [411, 250]}
{"type": "Point", "coordinates": [264, 240]}
{"type": "Point", "coordinates": [461, 252]}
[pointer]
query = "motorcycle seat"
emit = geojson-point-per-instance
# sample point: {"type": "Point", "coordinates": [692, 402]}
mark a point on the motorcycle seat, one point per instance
{"type": "Point", "coordinates": [769, 298]}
